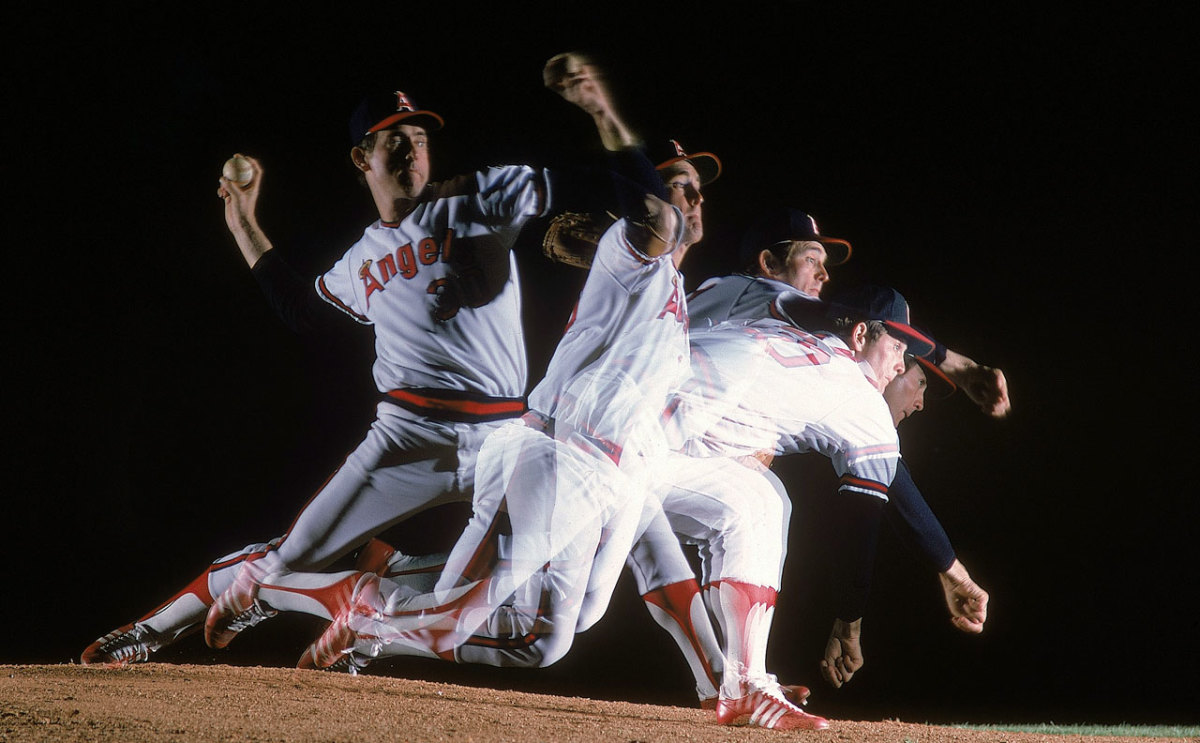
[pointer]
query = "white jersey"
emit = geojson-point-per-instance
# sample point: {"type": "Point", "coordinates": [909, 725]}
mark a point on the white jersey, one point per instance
{"type": "Point", "coordinates": [739, 298]}
{"type": "Point", "coordinates": [768, 385]}
{"type": "Point", "coordinates": [441, 287]}
{"type": "Point", "coordinates": [624, 350]}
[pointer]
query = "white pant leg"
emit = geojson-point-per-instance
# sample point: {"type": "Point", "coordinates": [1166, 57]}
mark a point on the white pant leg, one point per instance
{"type": "Point", "coordinates": [656, 560]}
{"type": "Point", "coordinates": [187, 609]}
{"type": "Point", "coordinates": [639, 516]}
{"type": "Point", "coordinates": [515, 582]}
{"type": "Point", "coordinates": [405, 465]}
{"type": "Point", "coordinates": [737, 516]}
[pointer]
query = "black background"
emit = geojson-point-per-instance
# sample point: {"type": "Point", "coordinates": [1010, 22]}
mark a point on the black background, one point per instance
{"type": "Point", "coordinates": [1024, 177]}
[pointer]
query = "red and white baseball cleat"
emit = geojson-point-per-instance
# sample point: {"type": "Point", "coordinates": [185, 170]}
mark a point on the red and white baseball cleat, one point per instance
{"type": "Point", "coordinates": [761, 703]}
{"type": "Point", "coordinates": [124, 646]}
{"type": "Point", "coordinates": [794, 693]}
{"type": "Point", "coordinates": [236, 610]}
{"type": "Point", "coordinates": [334, 649]}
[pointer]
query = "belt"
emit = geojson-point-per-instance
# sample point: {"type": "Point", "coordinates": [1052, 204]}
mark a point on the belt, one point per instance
{"type": "Point", "coordinates": [456, 405]}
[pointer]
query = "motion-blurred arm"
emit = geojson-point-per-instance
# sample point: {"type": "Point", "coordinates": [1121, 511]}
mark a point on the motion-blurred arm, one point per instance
{"type": "Point", "coordinates": [985, 385]}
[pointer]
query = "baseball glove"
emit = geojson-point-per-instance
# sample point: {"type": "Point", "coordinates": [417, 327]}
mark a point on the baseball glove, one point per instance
{"type": "Point", "coordinates": [572, 237]}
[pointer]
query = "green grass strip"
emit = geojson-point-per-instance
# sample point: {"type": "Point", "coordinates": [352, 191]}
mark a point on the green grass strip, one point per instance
{"type": "Point", "coordinates": [1120, 731]}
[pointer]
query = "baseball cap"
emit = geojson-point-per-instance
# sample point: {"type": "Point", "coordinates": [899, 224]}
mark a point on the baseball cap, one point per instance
{"type": "Point", "coordinates": [939, 386]}
{"type": "Point", "coordinates": [381, 110]}
{"type": "Point", "coordinates": [868, 302]}
{"type": "Point", "coordinates": [782, 225]}
{"type": "Point", "coordinates": [669, 152]}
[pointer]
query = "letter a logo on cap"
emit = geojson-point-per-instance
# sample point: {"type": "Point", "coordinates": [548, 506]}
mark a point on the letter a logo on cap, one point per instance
{"type": "Point", "coordinates": [402, 102]}
{"type": "Point", "coordinates": [678, 148]}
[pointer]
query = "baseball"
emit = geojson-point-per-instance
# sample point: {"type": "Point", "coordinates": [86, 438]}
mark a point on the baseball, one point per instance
{"type": "Point", "coordinates": [238, 170]}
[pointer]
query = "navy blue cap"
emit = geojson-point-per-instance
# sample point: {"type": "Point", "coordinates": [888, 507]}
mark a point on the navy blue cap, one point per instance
{"type": "Point", "coordinates": [868, 302]}
{"type": "Point", "coordinates": [669, 152]}
{"type": "Point", "coordinates": [782, 225]}
{"type": "Point", "coordinates": [381, 110]}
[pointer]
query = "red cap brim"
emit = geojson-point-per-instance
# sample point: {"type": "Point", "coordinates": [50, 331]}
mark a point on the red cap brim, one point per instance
{"type": "Point", "coordinates": [918, 343]}
{"type": "Point", "coordinates": [707, 165]}
{"type": "Point", "coordinates": [426, 118]}
{"type": "Point", "coordinates": [841, 246]}
{"type": "Point", "coordinates": [934, 374]}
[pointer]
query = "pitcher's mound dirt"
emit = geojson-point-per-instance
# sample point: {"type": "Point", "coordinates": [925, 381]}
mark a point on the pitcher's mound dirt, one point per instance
{"type": "Point", "coordinates": [182, 703]}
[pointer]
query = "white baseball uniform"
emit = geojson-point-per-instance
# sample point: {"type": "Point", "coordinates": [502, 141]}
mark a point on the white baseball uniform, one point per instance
{"type": "Point", "coordinates": [738, 297]}
{"type": "Point", "coordinates": [755, 386]}
{"type": "Point", "coordinates": [716, 504]}
{"type": "Point", "coordinates": [562, 485]}
{"type": "Point", "coordinates": [765, 385]}
{"type": "Point", "coordinates": [440, 290]}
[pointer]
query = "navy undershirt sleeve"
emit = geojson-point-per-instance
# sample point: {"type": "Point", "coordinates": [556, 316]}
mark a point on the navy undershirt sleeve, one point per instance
{"type": "Point", "coordinates": [619, 189]}
{"type": "Point", "coordinates": [856, 523]}
{"type": "Point", "coordinates": [914, 521]}
{"type": "Point", "coordinates": [292, 296]}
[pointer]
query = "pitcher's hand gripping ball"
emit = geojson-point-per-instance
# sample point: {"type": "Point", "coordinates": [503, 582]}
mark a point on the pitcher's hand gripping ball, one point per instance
{"type": "Point", "coordinates": [238, 170]}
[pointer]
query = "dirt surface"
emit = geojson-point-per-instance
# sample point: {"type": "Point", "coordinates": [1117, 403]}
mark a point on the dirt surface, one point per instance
{"type": "Point", "coordinates": [181, 703]}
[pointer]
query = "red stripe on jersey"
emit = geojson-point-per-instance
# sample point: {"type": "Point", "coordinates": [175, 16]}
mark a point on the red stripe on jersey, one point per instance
{"type": "Point", "coordinates": [637, 254]}
{"type": "Point", "coordinates": [329, 297]}
{"type": "Point", "coordinates": [863, 483]}
{"type": "Point", "coordinates": [867, 450]}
